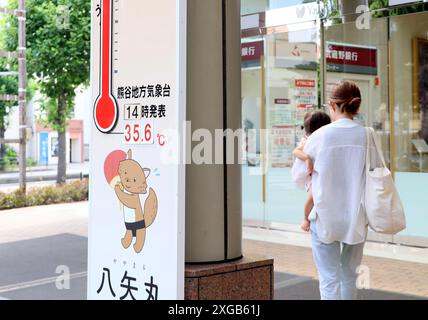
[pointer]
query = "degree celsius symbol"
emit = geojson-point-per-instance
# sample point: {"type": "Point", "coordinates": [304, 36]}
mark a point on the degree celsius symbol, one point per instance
{"type": "Point", "coordinates": [161, 139]}
{"type": "Point", "coordinates": [106, 109]}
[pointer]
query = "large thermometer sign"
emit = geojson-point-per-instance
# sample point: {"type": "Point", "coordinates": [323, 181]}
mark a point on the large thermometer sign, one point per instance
{"type": "Point", "coordinates": [136, 190]}
{"type": "Point", "coordinates": [105, 109]}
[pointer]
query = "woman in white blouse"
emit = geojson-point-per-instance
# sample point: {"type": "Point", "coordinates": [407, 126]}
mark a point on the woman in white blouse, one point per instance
{"type": "Point", "coordinates": [339, 228]}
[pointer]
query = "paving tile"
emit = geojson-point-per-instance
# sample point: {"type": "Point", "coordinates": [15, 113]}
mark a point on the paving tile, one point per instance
{"type": "Point", "coordinates": [398, 277]}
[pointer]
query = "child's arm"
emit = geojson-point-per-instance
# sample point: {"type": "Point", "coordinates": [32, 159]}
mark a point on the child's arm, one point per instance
{"type": "Point", "coordinates": [309, 204]}
{"type": "Point", "coordinates": [299, 154]}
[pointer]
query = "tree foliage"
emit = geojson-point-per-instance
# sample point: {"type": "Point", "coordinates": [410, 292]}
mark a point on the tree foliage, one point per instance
{"type": "Point", "coordinates": [380, 8]}
{"type": "Point", "coordinates": [58, 54]}
{"type": "Point", "coordinates": [58, 51]}
{"type": "Point", "coordinates": [8, 85]}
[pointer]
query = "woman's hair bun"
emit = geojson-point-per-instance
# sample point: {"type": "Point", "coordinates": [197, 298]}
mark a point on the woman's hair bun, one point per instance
{"type": "Point", "coordinates": [356, 101]}
{"type": "Point", "coordinates": [352, 105]}
{"type": "Point", "coordinates": [347, 97]}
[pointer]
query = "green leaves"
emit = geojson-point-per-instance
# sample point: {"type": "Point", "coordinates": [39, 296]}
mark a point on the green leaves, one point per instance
{"type": "Point", "coordinates": [58, 51]}
{"type": "Point", "coordinates": [8, 85]}
{"type": "Point", "coordinates": [36, 196]}
{"type": "Point", "coordinates": [378, 5]}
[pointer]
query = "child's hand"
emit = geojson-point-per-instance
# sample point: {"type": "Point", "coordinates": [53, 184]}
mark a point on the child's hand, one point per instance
{"type": "Point", "coordinates": [305, 225]}
{"type": "Point", "coordinates": [310, 166]}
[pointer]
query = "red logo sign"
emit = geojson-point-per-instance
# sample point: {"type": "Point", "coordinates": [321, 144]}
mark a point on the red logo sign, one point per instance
{"type": "Point", "coordinates": [304, 83]}
{"type": "Point", "coordinates": [350, 58]}
{"type": "Point", "coordinates": [251, 50]}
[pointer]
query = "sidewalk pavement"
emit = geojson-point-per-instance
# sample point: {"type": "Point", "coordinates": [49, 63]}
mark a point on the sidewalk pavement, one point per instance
{"type": "Point", "coordinates": [394, 268]}
{"type": "Point", "coordinates": [35, 241]}
{"type": "Point", "coordinates": [386, 276]}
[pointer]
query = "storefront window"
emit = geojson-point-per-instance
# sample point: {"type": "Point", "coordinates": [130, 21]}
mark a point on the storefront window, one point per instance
{"type": "Point", "coordinates": [285, 73]}
{"type": "Point", "coordinates": [291, 91]}
{"type": "Point", "coordinates": [409, 95]}
{"type": "Point", "coordinates": [409, 52]}
{"type": "Point", "coordinates": [252, 56]}
{"type": "Point", "coordinates": [361, 55]}
{"type": "Point", "coordinates": [279, 85]}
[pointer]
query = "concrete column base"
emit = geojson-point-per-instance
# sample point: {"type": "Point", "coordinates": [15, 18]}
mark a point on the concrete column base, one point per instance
{"type": "Point", "coordinates": [244, 279]}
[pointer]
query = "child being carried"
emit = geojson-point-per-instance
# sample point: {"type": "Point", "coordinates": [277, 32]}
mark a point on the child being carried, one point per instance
{"type": "Point", "coordinates": [313, 120]}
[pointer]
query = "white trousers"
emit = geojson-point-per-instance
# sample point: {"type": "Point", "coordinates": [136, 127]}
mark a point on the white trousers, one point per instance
{"type": "Point", "coordinates": [336, 264]}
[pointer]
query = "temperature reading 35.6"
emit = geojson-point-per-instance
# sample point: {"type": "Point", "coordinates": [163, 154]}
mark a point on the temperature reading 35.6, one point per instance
{"type": "Point", "coordinates": [139, 132]}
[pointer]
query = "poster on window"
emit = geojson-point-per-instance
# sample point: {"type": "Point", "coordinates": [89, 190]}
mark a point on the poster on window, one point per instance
{"type": "Point", "coordinates": [282, 146]}
{"type": "Point", "coordinates": [305, 98]}
{"type": "Point", "coordinates": [136, 218]}
{"type": "Point", "coordinates": [282, 112]}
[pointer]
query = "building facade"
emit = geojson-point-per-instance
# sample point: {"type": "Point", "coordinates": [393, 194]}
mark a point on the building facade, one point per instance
{"type": "Point", "coordinates": [293, 55]}
{"type": "Point", "coordinates": [43, 143]}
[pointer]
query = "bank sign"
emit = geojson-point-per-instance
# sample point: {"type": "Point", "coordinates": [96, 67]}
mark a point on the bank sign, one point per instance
{"type": "Point", "coordinates": [251, 50]}
{"type": "Point", "coordinates": [349, 58]}
{"type": "Point", "coordinates": [136, 218]}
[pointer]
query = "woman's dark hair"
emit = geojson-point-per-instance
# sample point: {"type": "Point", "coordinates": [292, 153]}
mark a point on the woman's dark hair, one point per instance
{"type": "Point", "coordinates": [347, 97]}
{"type": "Point", "coordinates": [314, 120]}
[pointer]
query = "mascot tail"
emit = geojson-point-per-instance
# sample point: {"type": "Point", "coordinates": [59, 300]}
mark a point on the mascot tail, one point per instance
{"type": "Point", "coordinates": [150, 207]}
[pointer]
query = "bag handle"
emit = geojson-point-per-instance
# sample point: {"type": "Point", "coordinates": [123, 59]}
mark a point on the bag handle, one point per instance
{"type": "Point", "coordinates": [371, 133]}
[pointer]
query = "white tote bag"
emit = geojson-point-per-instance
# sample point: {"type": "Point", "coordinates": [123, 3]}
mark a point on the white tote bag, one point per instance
{"type": "Point", "coordinates": [383, 206]}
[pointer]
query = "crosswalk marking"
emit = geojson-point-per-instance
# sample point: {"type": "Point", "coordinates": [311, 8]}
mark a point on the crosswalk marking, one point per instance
{"type": "Point", "coordinates": [38, 282]}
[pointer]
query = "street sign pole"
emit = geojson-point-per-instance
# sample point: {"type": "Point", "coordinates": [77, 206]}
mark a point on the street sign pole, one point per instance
{"type": "Point", "coordinates": [22, 83]}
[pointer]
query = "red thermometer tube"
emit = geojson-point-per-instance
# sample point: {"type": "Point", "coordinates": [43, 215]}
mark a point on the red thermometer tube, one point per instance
{"type": "Point", "coordinates": [106, 108]}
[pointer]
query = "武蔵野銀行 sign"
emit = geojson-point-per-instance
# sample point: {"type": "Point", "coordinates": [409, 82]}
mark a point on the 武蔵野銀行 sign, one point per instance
{"type": "Point", "coordinates": [349, 58]}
